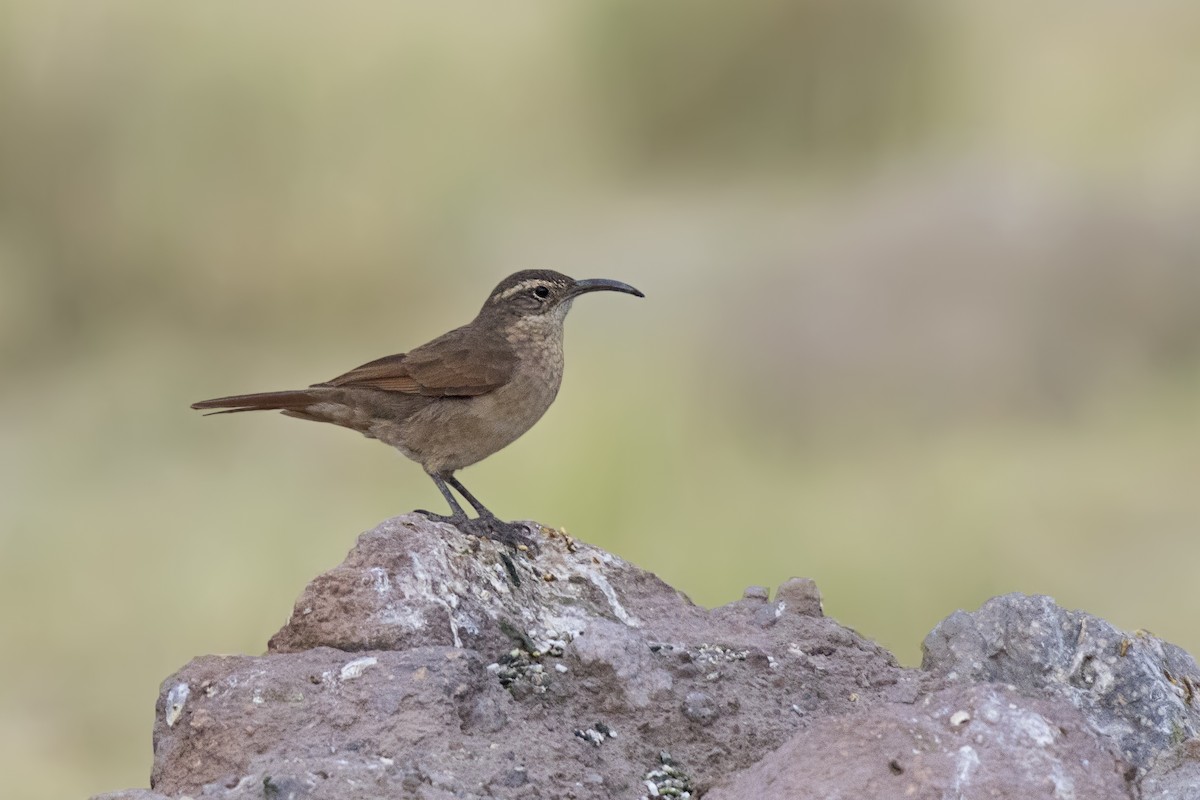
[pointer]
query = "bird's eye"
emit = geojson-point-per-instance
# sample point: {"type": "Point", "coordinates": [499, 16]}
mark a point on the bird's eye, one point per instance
{"type": "Point", "coordinates": [542, 292]}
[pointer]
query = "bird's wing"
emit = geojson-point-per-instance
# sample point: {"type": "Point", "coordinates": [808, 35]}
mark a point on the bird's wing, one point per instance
{"type": "Point", "coordinates": [455, 364]}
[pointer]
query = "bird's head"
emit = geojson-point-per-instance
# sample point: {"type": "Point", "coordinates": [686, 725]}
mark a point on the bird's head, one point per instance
{"type": "Point", "coordinates": [544, 294]}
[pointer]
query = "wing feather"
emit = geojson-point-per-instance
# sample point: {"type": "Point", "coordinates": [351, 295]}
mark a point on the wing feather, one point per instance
{"type": "Point", "coordinates": [460, 363]}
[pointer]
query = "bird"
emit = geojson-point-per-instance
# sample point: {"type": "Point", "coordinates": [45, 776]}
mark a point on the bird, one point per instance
{"type": "Point", "coordinates": [457, 399]}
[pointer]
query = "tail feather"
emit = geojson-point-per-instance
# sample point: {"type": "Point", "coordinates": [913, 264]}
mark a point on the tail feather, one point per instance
{"type": "Point", "coordinates": [293, 400]}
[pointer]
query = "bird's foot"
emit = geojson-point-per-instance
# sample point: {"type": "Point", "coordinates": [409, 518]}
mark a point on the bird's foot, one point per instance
{"type": "Point", "coordinates": [513, 534]}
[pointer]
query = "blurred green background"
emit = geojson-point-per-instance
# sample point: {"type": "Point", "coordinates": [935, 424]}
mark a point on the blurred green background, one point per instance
{"type": "Point", "coordinates": [922, 316]}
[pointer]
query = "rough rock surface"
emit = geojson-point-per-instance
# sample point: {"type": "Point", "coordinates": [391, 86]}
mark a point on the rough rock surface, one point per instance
{"type": "Point", "coordinates": [963, 742]}
{"type": "Point", "coordinates": [1137, 690]}
{"type": "Point", "coordinates": [434, 665]}
{"type": "Point", "coordinates": [1175, 775]}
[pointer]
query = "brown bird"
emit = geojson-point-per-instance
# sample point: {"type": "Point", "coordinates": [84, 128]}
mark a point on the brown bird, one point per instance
{"type": "Point", "coordinates": [459, 398]}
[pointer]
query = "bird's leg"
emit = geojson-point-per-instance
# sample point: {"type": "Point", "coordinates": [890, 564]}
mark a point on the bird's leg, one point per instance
{"type": "Point", "coordinates": [488, 524]}
{"type": "Point", "coordinates": [479, 507]}
{"type": "Point", "coordinates": [459, 517]}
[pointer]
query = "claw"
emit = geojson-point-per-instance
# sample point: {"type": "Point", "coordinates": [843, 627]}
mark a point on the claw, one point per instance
{"type": "Point", "coordinates": [513, 534]}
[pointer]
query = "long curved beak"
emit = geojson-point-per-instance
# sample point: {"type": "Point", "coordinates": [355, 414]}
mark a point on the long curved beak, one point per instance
{"type": "Point", "coordinates": [601, 285]}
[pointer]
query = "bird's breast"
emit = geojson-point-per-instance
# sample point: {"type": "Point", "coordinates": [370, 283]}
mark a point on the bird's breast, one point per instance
{"type": "Point", "coordinates": [455, 432]}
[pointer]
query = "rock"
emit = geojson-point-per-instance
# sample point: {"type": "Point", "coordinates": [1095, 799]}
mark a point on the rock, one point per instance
{"type": "Point", "coordinates": [1136, 689]}
{"type": "Point", "coordinates": [437, 664]}
{"type": "Point", "coordinates": [433, 665]}
{"type": "Point", "coordinates": [1175, 775]}
{"type": "Point", "coordinates": [246, 717]}
{"type": "Point", "coordinates": [963, 742]}
{"type": "Point", "coordinates": [700, 708]}
{"type": "Point", "coordinates": [801, 595]}
{"type": "Point", "coordinates": [414, 583]}
{"type": "Point", "coordinates": [759, 593]}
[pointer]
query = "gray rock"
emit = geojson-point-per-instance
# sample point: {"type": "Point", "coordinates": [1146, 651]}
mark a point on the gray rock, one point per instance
{"type": "Point", "coordinates": [1174, 775]}
{"type": "Point", "coordinates": [700, 708]}
{"type": "Point", "coordinates": [414, 583]}
{"type": "Point", "coordinates": [966, 742]}
{"type": "Point", "coordinates": [802, 595]}
{"type": "Point", "coordinates": [433, 664]}
{"type": "Point", "coordinates": [761, 593]}
{"type": "Point", "coordinates": [1134, 689]}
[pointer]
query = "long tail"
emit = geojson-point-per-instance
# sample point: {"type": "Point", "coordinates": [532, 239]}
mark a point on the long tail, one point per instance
{"type": "Point", "coordinates": [294, 400]}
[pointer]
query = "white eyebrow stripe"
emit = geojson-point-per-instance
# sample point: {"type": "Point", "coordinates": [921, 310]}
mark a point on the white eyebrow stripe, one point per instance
{"type": "Point", "coordinates": [523, 286]}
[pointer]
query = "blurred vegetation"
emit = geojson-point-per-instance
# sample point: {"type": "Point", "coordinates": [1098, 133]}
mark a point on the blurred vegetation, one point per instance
{"type": "Point", "coordinates": [922, 316]}
{"type": "Point", "coordinates": [773, 85]}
